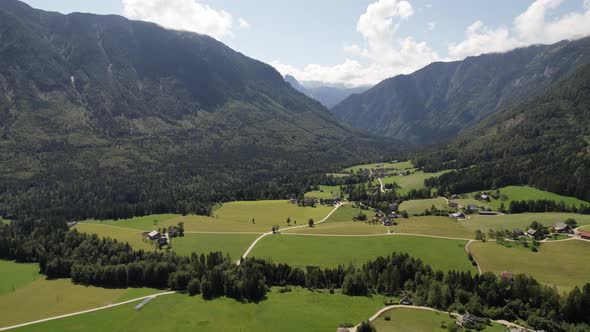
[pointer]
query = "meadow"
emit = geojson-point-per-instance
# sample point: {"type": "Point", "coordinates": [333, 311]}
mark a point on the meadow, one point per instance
{"type": "Point", "coordinates": [15, 275]}
{"type": "Point", "coordinates": [412, 181]}
{"type": "Point", "coordinates": [41, 298]}
{"type": "Point", "coordinates": [134, 237]}
{"type": "Point", "coordinates": [342, 228]}
{"type": "Point", "coordinates": [417, 320]}
{"type": "Point", "coordinates": [315, 311]}
{"type": "Point", "coordinates": [521, 220]}
{"type": "Point", "coordinates": [4, 221]}
{"type": "Point", "coordinates": [324, 192]}
{"type": "Point", "coordinates": [434, 226]}
{"type": "Point", "coordinates": [561, 264]}
{"type": "Point", "coordinates": [331, 251]}
{"type": "Point", "coordinates": [526, 193]}
{"type": "Point", "coordinates": [418, 206]}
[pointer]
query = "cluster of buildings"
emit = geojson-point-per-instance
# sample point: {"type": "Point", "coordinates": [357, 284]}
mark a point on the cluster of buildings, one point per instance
{"type": "Point", "coordinates": [161, 239]}
{"type": "Point", "coordinates": [313, 201]}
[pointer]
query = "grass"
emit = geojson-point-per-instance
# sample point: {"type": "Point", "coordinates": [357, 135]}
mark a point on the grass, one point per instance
{"type": "Point", "coordinates": [46, 298]}
{"type": "Point", "coordinates": [342, 228]}
{"type": "Point", "coordinates": [435, 226]}
{"type": "Point", "coordinates": [312, 311]}
{"type": "Point", "coordinates": [417, 320]}
{"type": "Point", "coordinates": [560, 264]}
{"type": "Point", "coordinates": [521, 220]}
{"type": "Point", "coordinates": [4, 221]}
{"type": "Point", "coordinates": [134, 237]}
{"type": "Point", "coordinates": [395, 165]}
{"type": "Point", "coordinates": [519, 193]}
{"type": "Point", "coordinates": [15, 276]}
{"type": "Point", "coordinates": [230, 217]}
{"type": "Point", "coordinates": [412, 181]}
{"type": "Point", "coordinates": [331, 251]}
{"type": "Point", "coordinates": [325, 192]}
{"type": "Point", "coordinates": [418, 206]}
{"type": "Point", "coordinates": [347, 213]}
{"type": "Point", "coordinates": [584, 228]}
{"type": "Point", "coordinates": [232, 244]}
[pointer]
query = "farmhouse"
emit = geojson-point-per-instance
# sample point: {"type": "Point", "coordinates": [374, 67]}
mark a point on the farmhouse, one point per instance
{"type": "Point", "coordinates": [162, 241]}
{"type": "Point", "coordinates": [71, 224]}
{"type": "Point", "coordinates": [561, 227]}
{"type": "Point", "coordinates": [469, 320]}
{"type": "Point", "coordinates": [389, 222]}
{"type": "Point", "coordinates": [455, 197]}
{"type": "Point", "coordinates": [535, 233]}
{"type": "Point", "coordinates": [453, 204]}
{"type": "Point", "coordinates": [393, 207]}
{"type": "Point", "coordinates": [293, 201]}
{"type": "Point", "coordinates": [585, 235]}
{"type": "Point", "coordinates": [406, 300]}
{"type": "Point", "coordinates": [153, 235]}
{"type": "Point", "coordinates": [379, 214]}
{"type": "Point", "coordinates": [487, 213]}
{"type": "Point", "coordinates": [506, 275]}
{"type": "Point", "coordinates": [471, 208]}
{"type": "Point", "coordinates": [457, 215]}
{"type": "Point", "coordinates": [484, 197]}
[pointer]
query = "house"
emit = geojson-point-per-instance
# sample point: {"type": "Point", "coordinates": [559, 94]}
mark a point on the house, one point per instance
{"type": "Point", "coordinates": [506, 275]}
{"type": "Point", "coordinates": [487, 213]}
{"type": "Point", "coordinates": [535, 233]}
{"type": "Point", "coordinates": [153, 235]}
{"type": "Point", "coordinates": [458, 216]}
{"type": "Point", "coordinates": [484, 197]}
{"type": "Point", "coordinates": [468, 320]}
{"type": "Point", "coordinates": [293, 201]}
{"type": "Point", "coordinates": [561, 227]}
{"type": "Point", "coordinates": [517, 232]}
{"type": "Point", "coordinates": [392, 215]}
{"type": "Point", "coordinates": [471, 208]}
{"type": "Point", "coordinates": [380, 215]}
{"type": "Point", "coordinates": [71, 224]}
{"type": "Point", "coordinates": [162, 241]}
{"type": "Point", "coordinates": [389, 222]}
{"type": "Point", "coordinates": [455, 197]}
{"type": "Point", "coordinates": [453, 204]}
{"type": "Point", "coordinates": [585, 235]}
{"type": "Point", "coordinates": [393, 206]}
{"type": "Point", "coordinates": [406, 300]}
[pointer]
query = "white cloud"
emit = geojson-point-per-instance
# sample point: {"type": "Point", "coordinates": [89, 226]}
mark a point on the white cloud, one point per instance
{"type": "Point", "coordinates": [530, 27]}
{"type": "Point", "coordinates": [431, 26]}
{"type": "Point", "coordinates": [243, 23]}
{"type": "Point", "coordinates": [189, 15]}
{"type": "Point", "coordinates": [384, 54]}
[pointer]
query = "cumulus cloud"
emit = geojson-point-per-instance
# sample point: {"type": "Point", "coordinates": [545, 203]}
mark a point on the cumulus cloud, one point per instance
{"type": "Point", "coordinates": [189, 15]}
{"type": "Point", "coordinates": [530, 27]}
{"type": "Point", "coordinates": [384, 54]}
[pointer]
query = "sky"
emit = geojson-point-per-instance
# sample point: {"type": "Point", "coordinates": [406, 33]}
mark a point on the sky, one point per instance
{"type": "Point", "coordinates": [356, 42]}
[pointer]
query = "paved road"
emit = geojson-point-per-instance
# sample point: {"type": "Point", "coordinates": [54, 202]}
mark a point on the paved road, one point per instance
{"type": "Point", "coordinates": [85, 311]}
{"type": "Point", "coordinates": [286, 229]}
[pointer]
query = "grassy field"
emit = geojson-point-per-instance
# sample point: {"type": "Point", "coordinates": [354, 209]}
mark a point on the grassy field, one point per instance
{"type": "Point", "coordinates": [561, 264]}
{"type": "Point", "coordinates": [230, 217]}
{"type": "Point", "coordinates": [342, 228]}
{"type": "Point", "coordinates": [4, 221]}
{"type": "Point", "coordinates": [330, 251]}
{"type": "Point", "coordinates": [232, 244]}
{"type": "Point", "coordinates": [43, 298]}
{"type": "Point", "coordinates": [418, 206]}
{"type": "Point", "coordinates": [521, 220]}
{"type": "Point", "coordinates": [585, 228]}
{"type": "Point", "coordinates": [279, 312]}
{"type": "Point", "coordinates": [409, 182]}
{"type": "Point", "coordinates": [15, 276]}
{"type": "Point", "coordinates": [435, 226]}
{"type": "Point", "coordinates": [132, 236]}
{"type": "Point", "coordinates": [325, 192]}
{"type": "Point", "coordinates": [417, 320]}
{"type": "Point", "coordinates": [519, 193]}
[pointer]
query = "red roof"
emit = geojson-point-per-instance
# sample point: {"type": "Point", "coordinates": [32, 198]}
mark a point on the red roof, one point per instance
{"type": "Point", "coordinates": [585, 234]}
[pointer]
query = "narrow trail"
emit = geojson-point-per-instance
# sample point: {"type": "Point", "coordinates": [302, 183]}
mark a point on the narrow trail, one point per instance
{"type": "Point", "coordinates": [469, 253]}
{"type": "Point", "coordinates": [400, 306]}
{"type": "Point", "coordinates": [286, 229]}
{"type": "Point", "coordinates": [86, 311]}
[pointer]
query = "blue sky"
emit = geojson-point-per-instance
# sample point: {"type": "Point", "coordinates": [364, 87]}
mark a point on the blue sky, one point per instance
{"type": "Point", "coordinates": [356, 42]}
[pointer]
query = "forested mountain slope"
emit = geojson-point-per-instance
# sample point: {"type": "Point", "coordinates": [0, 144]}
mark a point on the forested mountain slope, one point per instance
{"type": "Point", "coordinates": [100, 115]}
{"type": "Point", "coordinates": [442, 99]}
{"type": "Point", "coordinates": [544, 143]}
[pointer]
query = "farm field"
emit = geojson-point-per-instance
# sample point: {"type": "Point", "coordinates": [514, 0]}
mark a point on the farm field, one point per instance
{"type": "Point", "coordinates": [232, 244]}
{"type": "Point", "coordinates": [561, 264]}
{"type": "Point", "coordinates": [330, 251]}
{"type": "Point", "coordinates": [525, 193]}
{"type": "Point", "coordinates": [131, 236]}
{"type": "Point", "coordinates": [521, 220]}
{"type": "Point", "coordinates": [279, 312]}
{"type": "Point", "coordinates": [356, 168]}
{"type": "Point", "coordinates": [341, 228]}
{"type": "Point", "coordinates": [584, 228]}
{"type": "Point", "coordinates": [15, 276]}
{"type": "Point", "coordinates": [418, 206]}
{"type": "Point", "coordinates": [431, 225]}
{"type": "Point", "coordinates": [409, 182]}
{"type": "Point", "coordinates": [418, 320]}
{"type": "Point", "coordinates": [346, 213]}
{"type": "Point", "coordinates": [230, 217]}
{"type": "Point", "coordinates": [325, 192]}
{"type": "Point", "coordinates": [43, 298]}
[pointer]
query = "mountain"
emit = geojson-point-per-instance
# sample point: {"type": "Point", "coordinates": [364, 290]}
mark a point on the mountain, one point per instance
{"type": "Point", "coordinates": [544, 143]}
{"type": "Point", "coordinates": [441, 100]}
{"type": "Point", "coordinates": [328, 95]}
{"type": "Point", "coordinates": [103, 115]}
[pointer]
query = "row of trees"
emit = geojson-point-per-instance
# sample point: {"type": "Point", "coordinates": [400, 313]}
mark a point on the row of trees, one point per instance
{"type": "Point", "coordinates": [104, 262]}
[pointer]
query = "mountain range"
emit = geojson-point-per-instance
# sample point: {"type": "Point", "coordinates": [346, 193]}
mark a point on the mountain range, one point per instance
{"type": "Point", "coordinates": [103, 112]}
{"type": "Point", "coordinates": [328, 95]}
{"type": "Point", "coordinates": [438, 102]}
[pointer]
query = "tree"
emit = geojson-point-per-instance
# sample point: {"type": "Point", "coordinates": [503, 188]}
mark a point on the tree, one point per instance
{"type": "Point", "coordinates": [310, 222]}
{"type": "Point", "coordinates": [194, 287]}
{"type": "Point", "coordinates": [253, 221]}
{"type": "Point", "coordinates": [274, 230]}
{"type": "Point", "coordinates": [366, 326]}
{"type": "Point", "coordinates": [571, 222]}
{"type": "Point", "coordinates": [288, 221]}
{"type": "Point", "coordinates": [480, 236]}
